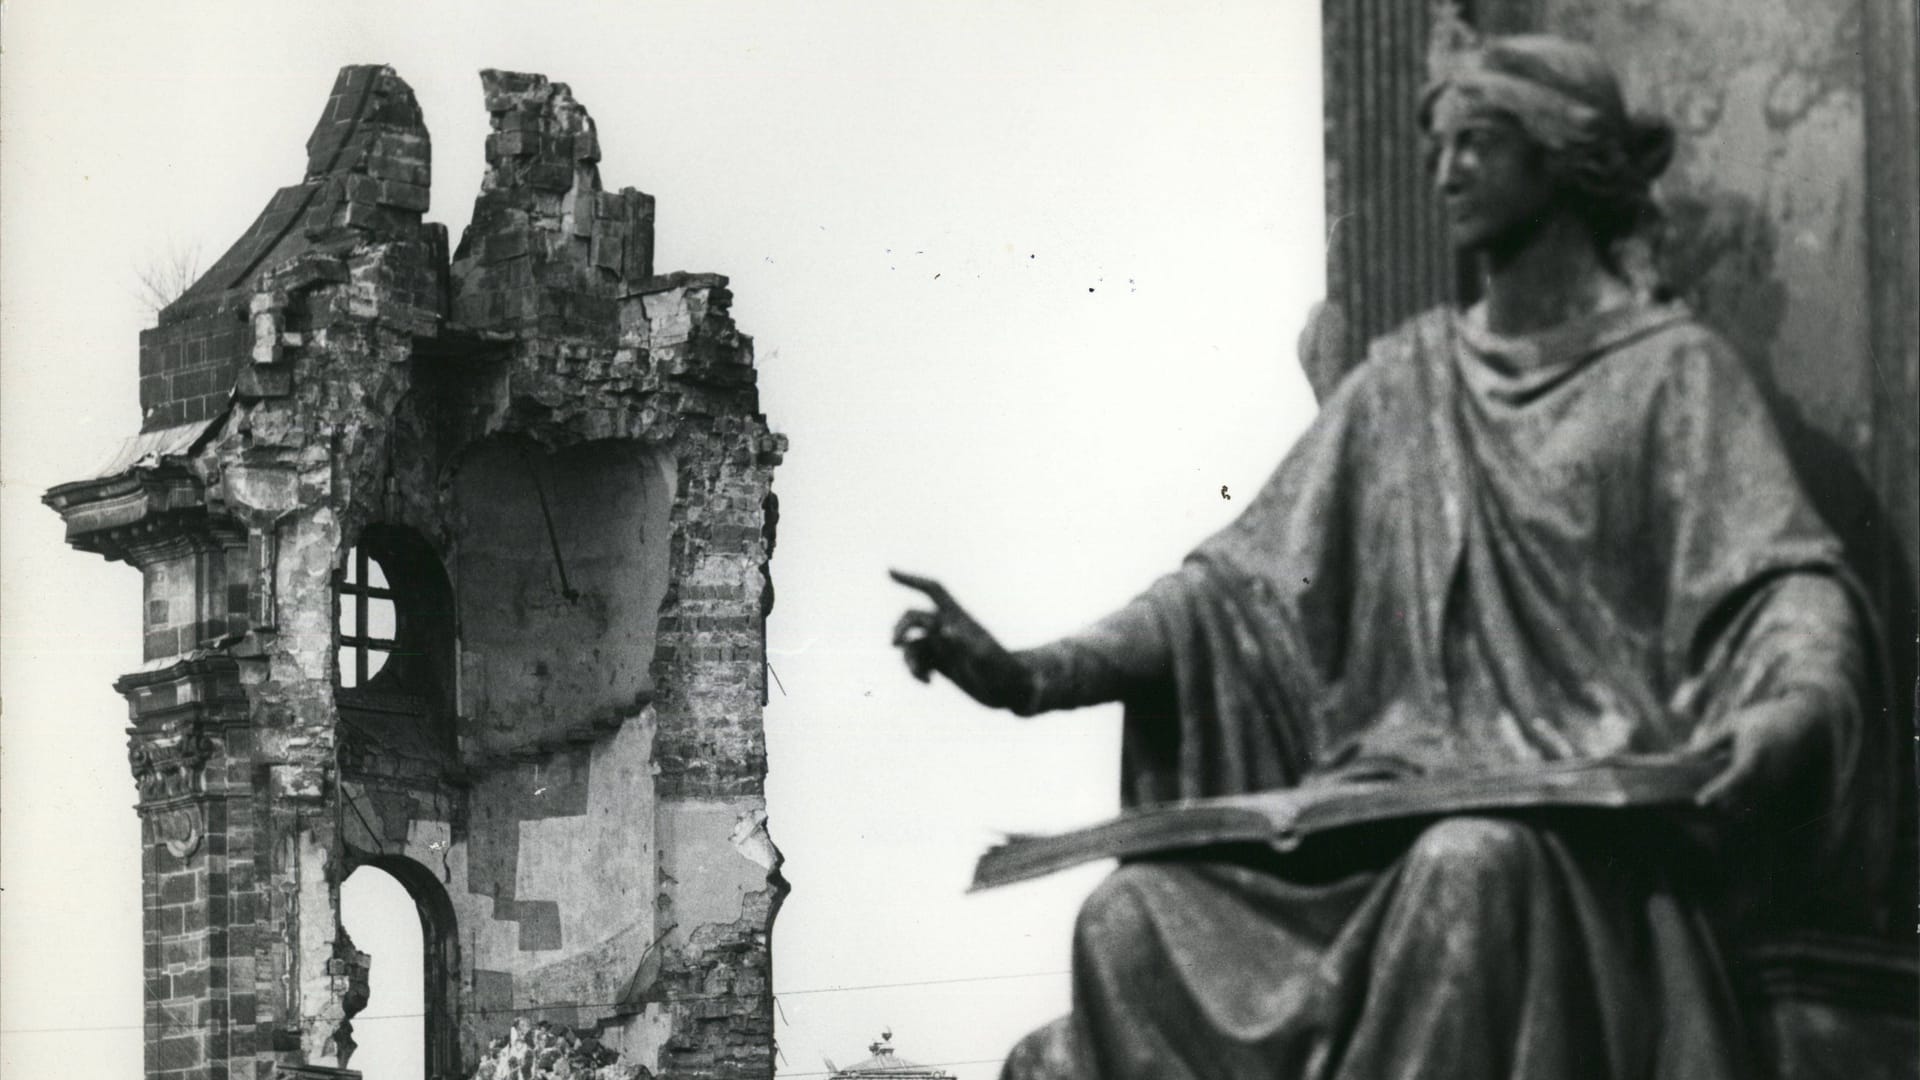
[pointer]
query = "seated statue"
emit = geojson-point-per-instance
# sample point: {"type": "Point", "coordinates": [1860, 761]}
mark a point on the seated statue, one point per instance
{"type": "Point", "coordinates": [1555, 526]}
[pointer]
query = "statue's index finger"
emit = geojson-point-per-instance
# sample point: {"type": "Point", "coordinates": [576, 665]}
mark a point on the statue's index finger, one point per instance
{"type": "Point", "coordinates": [934, 591]}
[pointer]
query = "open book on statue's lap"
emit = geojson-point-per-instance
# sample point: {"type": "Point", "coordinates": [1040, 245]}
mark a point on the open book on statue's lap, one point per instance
{"type": "Point", "coordinates": [1281, 819]}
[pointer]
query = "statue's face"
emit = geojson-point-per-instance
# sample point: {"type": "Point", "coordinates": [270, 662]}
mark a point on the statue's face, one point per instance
{"type": "Point", "coordinates": [1490, 176]}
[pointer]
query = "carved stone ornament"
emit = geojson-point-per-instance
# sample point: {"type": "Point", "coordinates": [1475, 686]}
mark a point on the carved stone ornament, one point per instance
{"type": "Point", "coordinates": [170, 761]}
{"type": "Point", "coordinates": [179, 828]}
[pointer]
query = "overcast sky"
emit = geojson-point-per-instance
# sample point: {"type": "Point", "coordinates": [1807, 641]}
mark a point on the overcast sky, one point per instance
{"type": "Point", "coordinates": [1024, 280]}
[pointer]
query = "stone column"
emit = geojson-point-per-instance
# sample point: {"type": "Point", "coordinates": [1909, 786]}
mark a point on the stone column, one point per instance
{"type": "Point", "coordinates": [1387, 253]}
{"type": "Point", "coordinates": [1387, 257]}
{"type": "Point", "coordinates": [190, 749]}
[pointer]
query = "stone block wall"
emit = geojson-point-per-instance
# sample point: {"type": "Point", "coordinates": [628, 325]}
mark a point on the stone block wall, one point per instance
{"type": "Point", "coordinates": [189, 598]}
{"type": "Point", "coordinates": [202, 897]}
{"type": "Point", "coordinates": [187, 368]}
{"type": "Point", "coordinates": [547, 246]}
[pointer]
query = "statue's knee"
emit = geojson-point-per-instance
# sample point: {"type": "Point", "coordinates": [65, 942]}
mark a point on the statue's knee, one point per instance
{"type": "Point", "coordinates": [1476, 849]}
{"type": "Point", "coordinates": [1118, 907]}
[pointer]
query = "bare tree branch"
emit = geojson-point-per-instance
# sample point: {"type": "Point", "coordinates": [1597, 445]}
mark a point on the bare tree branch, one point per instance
{"type": "Point", "coordinates": [167, 276]}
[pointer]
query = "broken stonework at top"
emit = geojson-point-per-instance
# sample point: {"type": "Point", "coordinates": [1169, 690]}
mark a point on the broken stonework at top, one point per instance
{"type": "Point", "coordinates": [546, 243]}
{"type": "Point", "coordinates": [456, 569]}
{"type": "Point", "coordinates": [369, 168]}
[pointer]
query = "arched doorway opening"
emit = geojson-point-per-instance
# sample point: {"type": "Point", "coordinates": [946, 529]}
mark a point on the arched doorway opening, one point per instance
{"type": "Point", "coordinates": [391, 1030]}
{"type": "Point", "coordinates": [400, 915]}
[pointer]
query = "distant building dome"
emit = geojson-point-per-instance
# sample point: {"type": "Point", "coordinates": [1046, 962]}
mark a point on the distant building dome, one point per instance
{"type": "Point", "coordinates": [886, 1063]}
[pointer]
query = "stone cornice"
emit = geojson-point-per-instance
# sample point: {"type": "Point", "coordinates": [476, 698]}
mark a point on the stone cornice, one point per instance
{"type": "Point", "coordinates": [138, 515]}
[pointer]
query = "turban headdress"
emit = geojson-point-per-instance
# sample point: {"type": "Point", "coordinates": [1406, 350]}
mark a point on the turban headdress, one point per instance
{"type": "Point", "coordinates": [1566, 98]}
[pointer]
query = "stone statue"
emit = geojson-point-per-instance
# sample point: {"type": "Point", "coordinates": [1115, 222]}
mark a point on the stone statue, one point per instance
{"type": "Point", "coordinates": [1555, 526]}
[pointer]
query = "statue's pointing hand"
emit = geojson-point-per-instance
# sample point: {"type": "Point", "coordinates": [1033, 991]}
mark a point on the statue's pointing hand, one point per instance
{"type": "Point", "coordinates": [949, 641]}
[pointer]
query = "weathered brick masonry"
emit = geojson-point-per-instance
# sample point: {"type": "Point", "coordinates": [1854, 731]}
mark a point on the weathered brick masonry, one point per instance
{"type": "Point", "coordinates": [550, 463]}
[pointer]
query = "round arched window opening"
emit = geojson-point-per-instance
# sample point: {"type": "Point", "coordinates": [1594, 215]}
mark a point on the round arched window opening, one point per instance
{"type": "Point", "coordinates": [393, 622]}
{"type": "Point", "coordinates": [393, 651]}
{"type": "Point", "coordinates": [367, 619]}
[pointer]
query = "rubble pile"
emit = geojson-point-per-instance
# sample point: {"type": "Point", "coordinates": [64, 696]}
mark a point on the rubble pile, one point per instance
{"type": "Point", "coordinates": [542, 1050]}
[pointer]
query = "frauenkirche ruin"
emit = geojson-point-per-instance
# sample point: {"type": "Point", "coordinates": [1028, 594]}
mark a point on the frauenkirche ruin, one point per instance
{"type": "Point", "coordinates": [456, 566]}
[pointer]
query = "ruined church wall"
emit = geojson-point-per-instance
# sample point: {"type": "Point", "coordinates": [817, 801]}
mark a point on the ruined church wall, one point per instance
{"type": "Point", "coordinates": [564, 769]}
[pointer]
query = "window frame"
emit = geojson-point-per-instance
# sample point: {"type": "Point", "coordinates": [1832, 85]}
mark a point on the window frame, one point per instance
{"type": "Point", "coordinates": [352, 581]}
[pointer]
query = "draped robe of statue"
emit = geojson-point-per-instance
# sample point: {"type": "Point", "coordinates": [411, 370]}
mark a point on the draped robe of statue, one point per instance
{"type": "Point", "coordinates": [1486, 551]}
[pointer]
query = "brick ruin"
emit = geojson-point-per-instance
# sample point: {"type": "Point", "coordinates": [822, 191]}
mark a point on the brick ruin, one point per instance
{"type": "Point", "coordinates": [455, 566]}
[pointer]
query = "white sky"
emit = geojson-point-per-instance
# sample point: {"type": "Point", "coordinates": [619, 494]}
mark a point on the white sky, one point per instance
{"type": "Point", "coordinates": [1024, 279]}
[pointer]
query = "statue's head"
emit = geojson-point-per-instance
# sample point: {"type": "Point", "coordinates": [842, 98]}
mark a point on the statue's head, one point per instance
{"type": "Point", "coordinates": [1523, 130]}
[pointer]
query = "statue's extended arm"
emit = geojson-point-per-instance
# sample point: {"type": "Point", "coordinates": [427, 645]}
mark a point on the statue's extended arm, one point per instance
{"type": "Point", "coordinates": [1110, 660]}
{"type": "Point", "coordinates": [1103, 663]}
